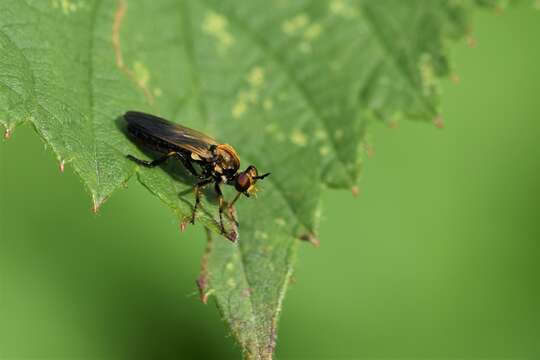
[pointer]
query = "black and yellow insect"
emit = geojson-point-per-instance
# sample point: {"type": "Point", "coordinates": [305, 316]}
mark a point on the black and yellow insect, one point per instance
{"type": "Point", "coordinates": [219, 163]}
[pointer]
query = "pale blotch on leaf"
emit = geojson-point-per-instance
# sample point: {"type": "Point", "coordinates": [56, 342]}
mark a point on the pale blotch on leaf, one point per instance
{"type": "Point", "coordinates": [301, 28]}
{"type": "Point", "coordinates": [67, 6]}
{"type": "Point", "coordinates": [313, 32]}
{"type": "Point", "coordinates": [216, 26]}
{"type": "Point", "coordinates": [268, 104]}
{"type": "Point", "coordinates": [271, 128]}
{"type": "Point", "coordinates": [280, 137]}
{"type": "Point", "coordinates": [320, 135]}
{"type": "Point", "coordinates": [158, 92]}
{"type": "Point", "coordinates": [229, 266]}
{"type": "Point", "coordinates": [427, 75]}
{"type": "Point", "coordinates": [298, 138]}
{"type": "Point", "coordinates": [231, 283]}
{"type": "Point", "coordinates": [294, 24]}
{"type": "Point", "coordinates": [239, 109]}
{"type": "Point", "coordinates": [305, 47]}
{"type": "Point", "coordinates": [280, 221]}
{"type": "Point", "coordinates": [261, 235]}
{"type": "Point", "coordinates": [255, 79]}
{"type": "Point", "coordinates": [256, 76]}
{"type": "Point", "coordinates": [324, 150]}
{"type": "Point", "coordinates": [343, 8]}
{"type": "Point", "coordinates": [252, 96]}
{"type": "Point", "coordinates": [141, 74]}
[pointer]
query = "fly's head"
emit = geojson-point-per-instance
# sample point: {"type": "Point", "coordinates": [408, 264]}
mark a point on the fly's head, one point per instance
{"type": "Point", "coordinates": [244, 181]}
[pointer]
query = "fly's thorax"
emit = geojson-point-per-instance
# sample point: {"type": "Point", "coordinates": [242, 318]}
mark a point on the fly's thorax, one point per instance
{"type": "Point", "coordinates": [227, 160]}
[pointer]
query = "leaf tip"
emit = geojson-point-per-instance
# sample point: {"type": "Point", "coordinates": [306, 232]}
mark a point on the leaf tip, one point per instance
{"type": "Point", "coordinates": [232, 236]}
{"type": "Point", "coordinates": [369, 150]}
{"type": "Point", "coordinates": [311, 238]}
{"type": "Point", "coordinates": [62, 166]}
{"type": "Point", "coordinates": [182, 226]}
{"type": "Point", "coordinates": [97, 202]}
{"type": "Point", "coordinates": [471, 41]}
{"type": "Point", "coordinates": [8, 133]}
{"type": "Point", "coordinates": [393, 124]}
{"type": "Point", "coordinates": [438, 122]}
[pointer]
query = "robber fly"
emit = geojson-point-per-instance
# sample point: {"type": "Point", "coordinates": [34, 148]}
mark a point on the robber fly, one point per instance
{"type": "Point", "coordinates": [219, 163]}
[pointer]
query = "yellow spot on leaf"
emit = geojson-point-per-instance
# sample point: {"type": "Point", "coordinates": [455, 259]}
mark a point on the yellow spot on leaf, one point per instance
{"type": "Point", "coordinates": [295, 24]}
{"type": "Point", "coordinates": [320, 134]}
{"type": "Point", "coordinates": [141, 74]}
{"type": "Point", "coordinates": [298, 138]}
{"type": "Point", "coordinates": [268, 104]}
{"type": "Point", "coordinates": [272, 127]}
{"type": "Point", "coordinates": [67, 6]}
{"type": "Point", "coordinates": [324, 150]}
{"type": "Point", "coordinates": [305, 47]}
{"type": "Point", "coordinates": [261, 235]}
{"type": "Point", "coordinates": [253, 97]}
{"type": "Point", "coordinates": [343, 8]}
{"type": "Point", "coordinates": [313, 32]}
{"type": "Point", "coordinates": [256, 76]}
{"type": "Point", "coordinates": [427, 74]}
{"type": "Point", "coordinates": [158, 92]}
{"type": "Point", "coordinates": [239, 109]}
{"type": "Point", "coordinates": [216, 25]}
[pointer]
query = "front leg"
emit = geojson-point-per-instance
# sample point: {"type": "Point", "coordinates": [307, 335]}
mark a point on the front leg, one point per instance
{"type": "Point", "coordinates": [221, 203]}
{"type": "Point", "coordinates": [231, 210]}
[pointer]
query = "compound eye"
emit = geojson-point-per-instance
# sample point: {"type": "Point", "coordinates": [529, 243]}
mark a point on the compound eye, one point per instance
{"type": "Point", "coordinates": [243, 182]}
{"type": "Point", "coordinates": [252, 170]}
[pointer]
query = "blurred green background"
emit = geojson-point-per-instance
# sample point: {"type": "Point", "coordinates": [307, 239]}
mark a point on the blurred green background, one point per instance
{"type": "Point", "coordinates": [437, 258]}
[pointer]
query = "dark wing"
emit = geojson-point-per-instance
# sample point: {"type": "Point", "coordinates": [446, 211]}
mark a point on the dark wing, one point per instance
{"type": "Point", "coordinates": [191, 140]}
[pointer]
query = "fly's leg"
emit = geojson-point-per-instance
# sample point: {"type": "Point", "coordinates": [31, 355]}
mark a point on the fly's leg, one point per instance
{"type": "Point", "coordinates": [154, 163]}
{"type": "Point", "coordinates": [150, 164]}
{"type": "Point", "coordinates": [231, 210]}
{"type": "Point", "coordinates": [221, 206]}
{"type": "Point", "coordinates": [198, 191]}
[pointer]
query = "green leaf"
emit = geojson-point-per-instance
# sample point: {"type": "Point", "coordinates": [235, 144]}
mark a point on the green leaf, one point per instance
{"type": "Point", "coordinates": [292, 85]}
